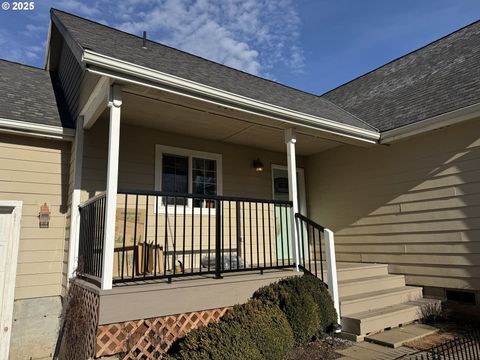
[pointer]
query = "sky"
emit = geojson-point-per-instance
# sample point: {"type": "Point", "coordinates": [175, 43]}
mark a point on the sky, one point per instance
{"type": "Point", "coordinates": [312, 45]}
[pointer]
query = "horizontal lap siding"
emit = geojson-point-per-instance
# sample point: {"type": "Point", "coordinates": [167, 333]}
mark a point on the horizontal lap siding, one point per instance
{"type": "Point", "coordinates": [414, 205]}
{"type": "Point", "coordinates": [37, 171]}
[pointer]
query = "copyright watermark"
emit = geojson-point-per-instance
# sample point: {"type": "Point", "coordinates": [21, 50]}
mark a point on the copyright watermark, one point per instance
{"type": "Point", "coordinates": [18, 5]}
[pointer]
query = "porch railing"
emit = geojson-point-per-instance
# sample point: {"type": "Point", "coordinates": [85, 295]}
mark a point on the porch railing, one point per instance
{"type": "Point", "coordinates": [166, 235]}
{"type": "Point", "coordinates": [311, 236]}
{"type": "Point", "coordinates": [316, 251]}
{"type": "Point", "coordinates": [90, 251]}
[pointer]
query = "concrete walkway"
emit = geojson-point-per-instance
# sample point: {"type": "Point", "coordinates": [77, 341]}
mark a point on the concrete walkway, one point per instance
{"type": "Point", "coordinates": [387, 345]}
{"type": "Point", "coordinates": [370, 351]}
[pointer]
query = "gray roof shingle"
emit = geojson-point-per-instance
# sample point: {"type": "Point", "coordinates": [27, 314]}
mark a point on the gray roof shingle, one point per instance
{"type": "Point", "coordinates": [27, 94]}
{"type": "Point", "coordinates": [120, 45]}
{"type": "Point", "coordinates": [438, 78]}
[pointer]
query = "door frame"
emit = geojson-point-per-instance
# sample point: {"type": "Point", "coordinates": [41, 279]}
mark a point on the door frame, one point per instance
{"type": "Point", "coordinates": [300, 185]}
{"type": "Point", "coordinates": [10, 275]}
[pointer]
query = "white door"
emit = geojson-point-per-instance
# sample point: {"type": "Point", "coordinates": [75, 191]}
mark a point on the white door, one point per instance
{"type": "Point", "coordinates": [10, 213]}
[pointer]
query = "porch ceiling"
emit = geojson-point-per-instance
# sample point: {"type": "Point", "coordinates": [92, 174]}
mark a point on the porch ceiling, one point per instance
{"type": "Point", "coordinates": [177, 114]}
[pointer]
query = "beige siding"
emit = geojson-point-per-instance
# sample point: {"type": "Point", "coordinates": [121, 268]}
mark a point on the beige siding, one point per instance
{"type": "Point", "coordinates": [414, 204]}
{"type": "Point", "coordinates": [36, 171]}
{"type": "Point", "coordinates": [137, 161]}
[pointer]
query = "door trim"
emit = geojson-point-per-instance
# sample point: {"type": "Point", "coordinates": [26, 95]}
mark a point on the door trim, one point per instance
{"type": "Point", "coordinates": [10, 276]}
{"type": "Point", "coordinates": [301, 186]}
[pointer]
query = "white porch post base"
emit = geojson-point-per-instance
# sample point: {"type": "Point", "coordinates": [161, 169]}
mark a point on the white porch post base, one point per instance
{"type": "Point", "coordinates": [115, 105]}
{"type": "Point", "coordinates": [332, 271]}
{"type": "Point", "coordinates": [290, 140]}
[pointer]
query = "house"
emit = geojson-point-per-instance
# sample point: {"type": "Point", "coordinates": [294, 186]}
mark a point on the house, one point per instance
{"type": "Point", "coordinates": [161, 188]}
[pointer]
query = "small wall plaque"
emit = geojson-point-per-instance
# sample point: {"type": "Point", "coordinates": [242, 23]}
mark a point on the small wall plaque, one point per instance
{"type": "Point", "coordinates": [44, 217]}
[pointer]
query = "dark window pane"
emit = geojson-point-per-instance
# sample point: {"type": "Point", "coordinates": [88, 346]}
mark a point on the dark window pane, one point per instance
{"type": "Point", "coordinates": [210, 189]}
{"type": "Point", "coordinates": [175, 175]}
{"type": "Point", "coordinates": [210, 165]}
{"type": "Point", "coordinates": [198, 163]}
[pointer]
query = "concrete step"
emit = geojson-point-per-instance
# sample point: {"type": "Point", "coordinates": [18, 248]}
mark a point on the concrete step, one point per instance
{"type": "Point", "coordinates": [354, 271]}
{"type": "Point", "coordinates": [366, 285]}
{"type": "Point", "coordinates": [366, 322]}
{"type": "Point", "coordinates": [378, 299]}
{"type": "Point", "coordinates": [395, 338]}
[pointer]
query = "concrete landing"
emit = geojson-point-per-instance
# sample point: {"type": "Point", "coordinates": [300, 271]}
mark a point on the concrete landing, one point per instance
{"type": "Point", "coordinates": [395, 338]}
{"type": "Point", "coordinates": [370, 351]}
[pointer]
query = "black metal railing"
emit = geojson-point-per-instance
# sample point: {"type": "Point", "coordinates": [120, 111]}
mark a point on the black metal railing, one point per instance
{"type": "Point", "coordinates": [90, 251]}
{"type": "Point", "coordinates": [311, 237]}
{"type": "Point", "coordinates": [167, 235]}
{"type": "Point", "coordinates": [466, 347]}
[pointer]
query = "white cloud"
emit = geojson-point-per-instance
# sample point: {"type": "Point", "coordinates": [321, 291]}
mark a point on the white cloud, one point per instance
{"type": "Point", "coordinates": [251, 35]}
{"type": "Point", "coordinates": [257, 36]}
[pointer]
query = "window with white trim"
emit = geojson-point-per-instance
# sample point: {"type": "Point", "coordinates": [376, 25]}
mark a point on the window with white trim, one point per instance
{"type": "Point", "coordinates": [188, 171]}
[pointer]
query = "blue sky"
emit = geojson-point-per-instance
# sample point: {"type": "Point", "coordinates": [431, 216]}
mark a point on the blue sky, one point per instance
{"type": "Point", "coordinates": [313, 45]}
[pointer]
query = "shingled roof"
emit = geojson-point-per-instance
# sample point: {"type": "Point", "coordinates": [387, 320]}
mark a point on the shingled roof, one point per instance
{"type": "Point", "coordinates": [27, 94]}
{"type": "Point", "coordinates": [438, 78]}
{"type": "Point", "coordinates": [127, 47]}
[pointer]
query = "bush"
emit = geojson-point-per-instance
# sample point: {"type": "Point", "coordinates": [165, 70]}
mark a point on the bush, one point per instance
{"type": "Point", "coordinates": [306, 304]}
{"type": "Point", "coordinates": [254, 330]}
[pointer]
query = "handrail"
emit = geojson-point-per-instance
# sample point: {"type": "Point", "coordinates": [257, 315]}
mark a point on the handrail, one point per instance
{"type": "Point", "coordinates": [92, 199]}
{"type": "Point", "coordinates": [203, 197]}
{"type": "Point", "coordinates": [309, 243]}
{"type": "Point", "coordinates": [309, 221]}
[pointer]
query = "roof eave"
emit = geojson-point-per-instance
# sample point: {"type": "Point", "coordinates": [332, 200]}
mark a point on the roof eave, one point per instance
{"type": "Point", "coordinates": [430, 124]}
{"type": "Point", "coordinates": [25, 128]}
{"type": "Point", "coordinates": [131, 72]}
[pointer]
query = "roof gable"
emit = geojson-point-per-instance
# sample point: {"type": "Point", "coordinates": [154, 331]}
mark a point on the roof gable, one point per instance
{"type": "Point", "coordinates": [127, 47]}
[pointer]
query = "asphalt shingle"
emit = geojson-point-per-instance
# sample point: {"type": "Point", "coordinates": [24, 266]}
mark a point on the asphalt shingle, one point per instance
{"type": "Point", "coordinates": [31, 94]}
{"type": "Point", "coordinates": [127, 47]}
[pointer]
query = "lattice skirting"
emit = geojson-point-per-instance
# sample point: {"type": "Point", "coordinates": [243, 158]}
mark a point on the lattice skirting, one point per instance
{"type": "Point", "coordinates": [81, 320]}
{"type": "Point", "coordinates": [150, 338]}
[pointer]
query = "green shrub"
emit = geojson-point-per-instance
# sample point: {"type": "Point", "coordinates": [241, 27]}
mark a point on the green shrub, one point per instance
{"type": "Point", "coordinates": [254, 330]}
{"type": "Point", "coordinates": [306, 304]}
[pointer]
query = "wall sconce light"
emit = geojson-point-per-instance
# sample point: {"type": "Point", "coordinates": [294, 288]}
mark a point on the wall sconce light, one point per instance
{"type": "Point", "coordinates": [258, 165]}
{"type": "Point", "coordinates": [44, 217]}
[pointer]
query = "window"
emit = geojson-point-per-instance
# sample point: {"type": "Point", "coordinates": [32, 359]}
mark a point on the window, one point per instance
{"type": "Point", "coordinates": [188, 171]}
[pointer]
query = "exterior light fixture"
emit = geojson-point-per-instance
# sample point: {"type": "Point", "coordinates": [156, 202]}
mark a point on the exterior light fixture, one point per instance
{"type": "Point", "coordinates": [44, 217]}
{"type": "Point", "coordinates": [258, 165]}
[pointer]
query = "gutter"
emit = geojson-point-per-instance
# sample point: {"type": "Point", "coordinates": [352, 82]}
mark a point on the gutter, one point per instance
{"type": "Point", "coordinates": [36, 130]}
{"type": "Point", "coordinates": [190, 88]}
{"type": "Point", "coordinates": [430, 124]}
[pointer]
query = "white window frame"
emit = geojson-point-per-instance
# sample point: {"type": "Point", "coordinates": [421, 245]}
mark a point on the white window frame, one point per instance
{"type": "Point", "coordinates": [190, 154]}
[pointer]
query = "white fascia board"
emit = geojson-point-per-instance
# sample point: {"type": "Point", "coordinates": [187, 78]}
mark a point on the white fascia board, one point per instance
{"type": "Point", "coordinates": [430, 124]}
{"type": "Point", "coordinates": [36, 130]}
{"type": "Point", "coordinates": [242, 102]}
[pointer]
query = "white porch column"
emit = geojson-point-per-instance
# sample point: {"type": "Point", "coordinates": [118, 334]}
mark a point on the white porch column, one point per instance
{"type": "Point", "coordinates": [332, 271]}
{"type": "Point", "coordinates": [290, 140]}
{"type": "Point", "coordinates": [74, 212]}
{"type": "Point", "coordinates": [115, 104]}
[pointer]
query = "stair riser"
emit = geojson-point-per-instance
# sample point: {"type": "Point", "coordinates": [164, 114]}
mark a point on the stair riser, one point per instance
{"type": "Point", "coordinates": [356, 326]}
{"type": "Point", "coordinates": [361, 287]}
{"type": "Point", "coordinates": [359, 273]}
{"type": "Point", "coordinates": [379, 302]}
{"type": "Point", "coordinates": [387, 320]}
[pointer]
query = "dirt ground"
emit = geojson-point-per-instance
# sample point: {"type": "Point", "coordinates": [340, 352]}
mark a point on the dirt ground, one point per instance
{"type": "Point", "coordinates": [321, 349]}
{"type": "Point", "coordinates": [448, 331]}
